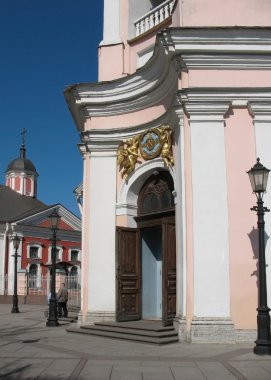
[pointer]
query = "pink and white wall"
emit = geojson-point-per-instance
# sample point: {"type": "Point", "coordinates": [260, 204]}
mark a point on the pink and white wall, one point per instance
{"type": "Point", "coordinates": [204, 68]}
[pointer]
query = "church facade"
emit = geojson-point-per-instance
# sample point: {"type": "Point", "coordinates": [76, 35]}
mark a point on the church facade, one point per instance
{"type": "Point", "coordinates": [179, 115]}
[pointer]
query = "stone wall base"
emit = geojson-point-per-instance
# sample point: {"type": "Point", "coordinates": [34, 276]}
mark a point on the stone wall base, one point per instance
{"type": "Point", "coordinates": [179, 324]}
{"type": "Point", "coordinates": [212, 330]}
{"type": "Point", "coordinates": [97, 316]}
{"type": "Point", "coordinates": [245, 336]}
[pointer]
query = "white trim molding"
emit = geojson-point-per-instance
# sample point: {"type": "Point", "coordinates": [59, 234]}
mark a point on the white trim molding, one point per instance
{"type": "Point", "coordinates": [176, 49]}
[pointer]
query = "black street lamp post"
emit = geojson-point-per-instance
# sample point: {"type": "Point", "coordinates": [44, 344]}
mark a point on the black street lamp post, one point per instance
{"type": "Point", "coordinates": [16, 244]}
{"type": "Point", "coordinates": [52, 318]}
{"type": "Point", "coordinates": [258, 176]}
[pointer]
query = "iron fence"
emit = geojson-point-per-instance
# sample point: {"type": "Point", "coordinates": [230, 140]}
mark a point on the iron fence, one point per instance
{"type": "Point", "coordinates": [40, 286]}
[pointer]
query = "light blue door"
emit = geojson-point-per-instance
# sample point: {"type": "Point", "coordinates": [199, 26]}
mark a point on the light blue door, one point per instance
{"type": "Point", "coordinates": [151, 245]}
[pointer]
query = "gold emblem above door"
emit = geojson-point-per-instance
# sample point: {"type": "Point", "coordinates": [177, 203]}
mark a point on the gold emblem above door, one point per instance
{"type": "Point", "coordinates": [150, 144]}
{"type": "Point", "coordinates": [155, 142]}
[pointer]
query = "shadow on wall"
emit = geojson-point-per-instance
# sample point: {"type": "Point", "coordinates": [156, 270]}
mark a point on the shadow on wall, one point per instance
{"type": "Point", "coordinates": [254, 241]}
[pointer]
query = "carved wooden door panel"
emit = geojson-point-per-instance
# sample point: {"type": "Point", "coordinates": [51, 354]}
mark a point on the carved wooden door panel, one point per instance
{"type": "Point", "coordinates": [169, 271]}
{"type": "Point", "coordinates": [128, 275]}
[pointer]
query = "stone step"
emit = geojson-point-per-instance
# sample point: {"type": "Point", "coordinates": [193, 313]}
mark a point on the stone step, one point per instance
{"type": "Point", "coordinates": [137, 325]}
{"type": "Point", "coordinates": [127, 331]}
{"type": "Point", "coordinates": [138, 332]}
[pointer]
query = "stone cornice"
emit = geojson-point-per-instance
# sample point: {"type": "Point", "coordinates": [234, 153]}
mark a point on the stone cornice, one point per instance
{"type": "Point", "coordinates": [176, 49]}
{"type": "Point", "coordinates": [213, 103]}
{"type": "Point", "coordinates": [261, 110]}
{"type": "Point", "coordinates": [202, 94]}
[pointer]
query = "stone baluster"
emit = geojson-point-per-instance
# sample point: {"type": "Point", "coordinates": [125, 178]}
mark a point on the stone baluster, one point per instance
{"type": "Point", "coordinates": [151, 20]}
{"type": "Point", "coordinates": [137, 25]}
{"type": "Point", "coordinates": [147, 23]}
{"type": "Point", "coordinates": [142, 30]}
{"type": "Point", "coordinates": [156, 18]}
{"type": "Point", "coordinates": [166, 13]}
{"type": "Point", "coordinates": [161, 14]}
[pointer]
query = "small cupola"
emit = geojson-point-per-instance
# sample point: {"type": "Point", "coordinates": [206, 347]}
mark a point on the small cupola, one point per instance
{"type": "Point", "coordinates": [21, 174]}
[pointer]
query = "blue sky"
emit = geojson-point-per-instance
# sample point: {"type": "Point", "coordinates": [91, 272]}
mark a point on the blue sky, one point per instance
{"type": "Point", "coordinates": [46, 45]}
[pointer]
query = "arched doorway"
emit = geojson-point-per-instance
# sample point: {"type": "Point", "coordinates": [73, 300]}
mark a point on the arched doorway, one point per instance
{"type": "Point", "coordinates": [146, 255]}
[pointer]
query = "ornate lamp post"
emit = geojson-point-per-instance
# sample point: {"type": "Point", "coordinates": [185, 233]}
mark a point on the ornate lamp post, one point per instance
{"type": "Point", "coordinates": [52, 318]}
{"type": "Point", "coordinates": [258, 176]}
{"type": "Point", "coordinates": [16, 244]}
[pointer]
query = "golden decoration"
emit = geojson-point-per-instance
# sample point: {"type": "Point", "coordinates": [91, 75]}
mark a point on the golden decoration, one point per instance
{"type": "Point", "coordinates": [166, 153]}
{"type": "Point", "coordinates": [150, 144]}
{"type": "Point", "coordinates": [128, 156]}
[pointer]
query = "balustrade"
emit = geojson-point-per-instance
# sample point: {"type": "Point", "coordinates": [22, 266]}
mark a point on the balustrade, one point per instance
{"type": "Point", "coordinates": [154, 17]}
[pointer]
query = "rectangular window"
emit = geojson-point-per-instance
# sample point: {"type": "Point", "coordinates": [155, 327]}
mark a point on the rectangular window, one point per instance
{"type": "Point", "coordinates": [57, 254]}
{"type": "Point", "coordinates": [74, 255]}
{"type": "Point", "coordinates": [34, 252]}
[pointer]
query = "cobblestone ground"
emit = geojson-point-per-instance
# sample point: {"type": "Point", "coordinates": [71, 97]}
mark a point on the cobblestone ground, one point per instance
{"type": "Point", "coordinates": [31, 350]}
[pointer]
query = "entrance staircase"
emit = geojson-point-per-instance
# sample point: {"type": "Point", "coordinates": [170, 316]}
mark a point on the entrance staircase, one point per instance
{"type": "Point", "coordinates": [138, 331]}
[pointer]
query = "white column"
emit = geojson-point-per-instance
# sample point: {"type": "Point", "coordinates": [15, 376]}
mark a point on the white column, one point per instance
{"type": "Point", "coordinates": [210, 212]}
{"type": "Point", "coordinates": [111, 23]}
{"type": "Point", "coordinates": [262, 122]}
{"type": "Point", "coordinates": [102, 230]}
{"type": "Point", "coordinates": [180, 221]}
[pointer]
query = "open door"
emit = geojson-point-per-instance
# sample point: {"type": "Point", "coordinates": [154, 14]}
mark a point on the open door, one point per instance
{"type": "Point", "coordinates": [169, 271]}
{"type": "Point", "coordinates": [128, 275]}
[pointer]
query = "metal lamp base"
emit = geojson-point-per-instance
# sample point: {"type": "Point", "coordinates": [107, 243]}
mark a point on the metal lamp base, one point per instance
{"type": "Point", "coordinates": [262, 349]}
{"type": "Point", "coordinates": [15, 308]}
{"type": "Point", "coordinates": [52, 323]}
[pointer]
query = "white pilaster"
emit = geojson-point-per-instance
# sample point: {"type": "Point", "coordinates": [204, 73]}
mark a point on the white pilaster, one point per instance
{"type": "Point", "coordinates": [210, 213]}
{"type": "Point", "coordinates": [111, 29]}
{"type": "Point", "coordinates": [102, 230]}
{"type": "Point", "coordinates": [180, 215]}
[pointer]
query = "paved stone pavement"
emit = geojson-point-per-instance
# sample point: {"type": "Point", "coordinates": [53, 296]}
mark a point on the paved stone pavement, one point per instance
{"type": "Point", "coordinates": [31, 350]}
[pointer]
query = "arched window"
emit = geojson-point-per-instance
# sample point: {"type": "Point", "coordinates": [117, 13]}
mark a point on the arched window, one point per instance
{"type": "Point", "coordinates": [156, 194]}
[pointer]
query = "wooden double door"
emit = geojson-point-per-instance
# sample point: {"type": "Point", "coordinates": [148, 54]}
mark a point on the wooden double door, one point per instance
{"type": "Point", "coordinates": [140, 252]}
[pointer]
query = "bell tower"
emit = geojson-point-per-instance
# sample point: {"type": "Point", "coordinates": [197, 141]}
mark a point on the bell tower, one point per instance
{"type": "Point", "coordinates": [21, 174]}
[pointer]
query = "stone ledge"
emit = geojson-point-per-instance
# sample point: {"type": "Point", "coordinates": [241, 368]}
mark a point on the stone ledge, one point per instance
{"type": "Point", "coordinates": [96, 316]}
